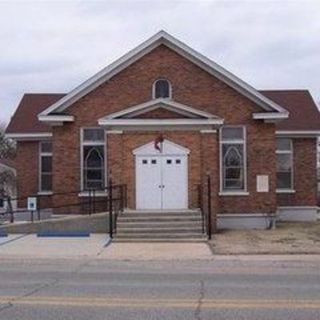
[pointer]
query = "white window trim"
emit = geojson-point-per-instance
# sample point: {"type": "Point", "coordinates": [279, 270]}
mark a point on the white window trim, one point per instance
{"type": "Point", "coordinates": [234, 192]}
{"type": "Point", "coordinates": [84, 194]}
{"type": "Point", "coordinates": [291, 189]}
{"type": "Point", "coordinates": [43, 154]}
{"type": "Point", "coordinates": [91, 143]}
{"type": "Point", "coordinates": [154, 89]}
{"type": "Point", "coordinates": [285, 191]}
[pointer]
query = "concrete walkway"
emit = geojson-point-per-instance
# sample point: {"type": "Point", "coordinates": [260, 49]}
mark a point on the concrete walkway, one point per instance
{"type": "Point", "coordinates": [31, 246]}
{"type": "Point", "coordinates": [157, 251]}
{"type": "Point", "coordinates": [96, 247]}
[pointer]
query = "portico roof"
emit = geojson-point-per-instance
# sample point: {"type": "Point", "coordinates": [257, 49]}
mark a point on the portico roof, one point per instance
{"type": "Point", "coordinates": [190, 117]}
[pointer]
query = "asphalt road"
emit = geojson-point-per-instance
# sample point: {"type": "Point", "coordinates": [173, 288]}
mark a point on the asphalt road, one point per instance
{"type": "Point", "coordinates": [93, 289]}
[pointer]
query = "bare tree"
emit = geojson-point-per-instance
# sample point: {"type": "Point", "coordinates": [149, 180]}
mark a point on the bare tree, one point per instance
{"type": "Point", "coordinates": [7, 146]}
{"type": "Point", "coordinates": [7, 151]}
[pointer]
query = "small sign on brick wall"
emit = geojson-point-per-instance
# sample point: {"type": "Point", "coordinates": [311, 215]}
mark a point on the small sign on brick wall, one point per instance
{"type": "Point", "coordinates": [262, 183]}
{"type": "Point", "coordinates": [32, 203]}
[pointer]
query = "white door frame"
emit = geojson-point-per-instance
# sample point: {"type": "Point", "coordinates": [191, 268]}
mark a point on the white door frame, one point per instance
{"type": "Point", "coordinates": [169, 149]}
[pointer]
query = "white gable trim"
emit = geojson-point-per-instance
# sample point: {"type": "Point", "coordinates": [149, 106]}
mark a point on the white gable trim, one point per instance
{"type": "Point", "coordinates": [29, 136]}
{"type": "Point", "coordinates": [168, 148]}
{"type": "Point", "coordinates": [55, 120]}
{"type": "Point", "coordinates": [298, 133]}
{"type": "Point", "coordinates": [160, 103]}
{"type": "Point", "coordinates": [158, 123]}
{"type": "Point", "coordinates": [163, 38]}
{"type": "Point", "coordinates": [270, 116]}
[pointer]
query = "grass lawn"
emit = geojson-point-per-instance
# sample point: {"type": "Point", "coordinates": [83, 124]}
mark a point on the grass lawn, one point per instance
{"type": "Point", "coordinates": [287, 238]}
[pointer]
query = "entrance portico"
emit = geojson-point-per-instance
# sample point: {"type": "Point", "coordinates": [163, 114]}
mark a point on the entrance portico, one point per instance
{"type": "Point", "coordinates": [163, 178]}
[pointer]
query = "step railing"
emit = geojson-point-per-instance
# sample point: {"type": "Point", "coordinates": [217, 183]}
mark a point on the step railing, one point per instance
{"type": "Point", "coordinates": [204, 203]}
{"type": "Point", "coordinates": [112, 198]}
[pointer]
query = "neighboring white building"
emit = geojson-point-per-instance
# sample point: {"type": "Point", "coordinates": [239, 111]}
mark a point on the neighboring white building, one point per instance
{"type": "Point", "coordinates": [9, 188]}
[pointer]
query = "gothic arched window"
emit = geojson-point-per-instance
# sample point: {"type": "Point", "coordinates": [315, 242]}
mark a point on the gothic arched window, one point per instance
{"type": "Point", "coordinates": [233, 159]}
{"type": "Point", "coordinates": [93, 159]}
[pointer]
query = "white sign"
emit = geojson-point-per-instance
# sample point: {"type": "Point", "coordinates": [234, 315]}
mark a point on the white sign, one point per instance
{"type": "Point", "coordinates": [262, 183]}
{"type": "Point", "coordinates": [32, 203]}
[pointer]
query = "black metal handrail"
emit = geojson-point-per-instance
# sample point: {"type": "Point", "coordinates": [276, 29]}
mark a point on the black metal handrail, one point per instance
{"type": "Point", "coordinates": [204, 203]}
{"type": "Point", "coordinates": [113, 210]}
{"type": "Point", "coordinates": [91, 201]}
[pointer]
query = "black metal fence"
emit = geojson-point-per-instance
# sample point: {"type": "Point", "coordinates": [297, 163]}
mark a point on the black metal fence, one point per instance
{"type": "Point", "coordinates": [111, 199]}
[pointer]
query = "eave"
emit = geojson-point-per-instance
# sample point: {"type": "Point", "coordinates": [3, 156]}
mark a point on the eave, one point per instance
{"type": "Point", "coordinates": [55, 120]}
{"type": "Point", "coordinates": [298, 133]}
{"type": "Point", "coordinates": [158, 124]}
{"type": "Point", "coordinates": [271, 116]}
{"type": "Point", "coordinates": [29, 136]}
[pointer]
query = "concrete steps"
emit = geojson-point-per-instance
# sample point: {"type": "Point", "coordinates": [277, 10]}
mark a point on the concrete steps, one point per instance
{"type": "Point", "coordinates": [160, 226]}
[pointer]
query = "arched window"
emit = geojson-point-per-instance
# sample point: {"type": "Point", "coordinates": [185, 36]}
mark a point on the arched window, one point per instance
{"type": "Point", "coordinates": [93, 159]}
{"type": "Point", "coordinates": [233, 166]}
{"type": "Point", "coordinates": [94, 167]}
{"type": "Point", "coordinates": [161, 89]}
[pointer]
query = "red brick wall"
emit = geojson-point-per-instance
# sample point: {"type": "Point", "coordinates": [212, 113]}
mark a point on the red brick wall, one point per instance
{"type": "Point", "coordinates": [261, 160]}
{"type": "Point", "coordinates": [305, 175]}
{"type": "Point", "coordinates": [191, 86]}
{"type": "Point", "coordinates": [27, 165]}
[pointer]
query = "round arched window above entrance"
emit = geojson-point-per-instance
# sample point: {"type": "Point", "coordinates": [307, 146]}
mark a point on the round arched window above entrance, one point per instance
{"type": "Point", "coordinates": [161, 89]}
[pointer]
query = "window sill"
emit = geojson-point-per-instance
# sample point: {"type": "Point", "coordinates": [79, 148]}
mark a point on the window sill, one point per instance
{"type": "Point", "coordinates": [233, 193]}
{"type": "Point", "coordinates": [97, 194]}
{"type": "Point", "coordinates": [285, 191]}
{"type": "Point", "coordinates": [45, 193]}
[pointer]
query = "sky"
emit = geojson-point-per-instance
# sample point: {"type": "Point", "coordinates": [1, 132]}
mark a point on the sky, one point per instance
{"type": "Point", "coordinates": [55, 46]}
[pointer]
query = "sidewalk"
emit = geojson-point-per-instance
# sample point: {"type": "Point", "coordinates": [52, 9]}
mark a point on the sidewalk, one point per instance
{"type": "Point", "coordinates": [31, 246]}
{"type": "Point", "coordinates": [98, 247]}
{"type": "Point", "coordinates": [157, 251]}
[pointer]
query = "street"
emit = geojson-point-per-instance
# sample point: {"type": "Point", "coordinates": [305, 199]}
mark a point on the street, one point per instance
{"type": "Point", "coordinates": [218, 289]}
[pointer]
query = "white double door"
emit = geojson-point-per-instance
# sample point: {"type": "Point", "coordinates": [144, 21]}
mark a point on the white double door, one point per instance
{"type": "Point", "coordinates": [162, 182]}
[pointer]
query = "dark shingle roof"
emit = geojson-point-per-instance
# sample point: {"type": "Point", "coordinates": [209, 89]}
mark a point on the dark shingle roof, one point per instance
{"type": "Point", "coordinates": [25, 118]}
{"type": "Point", "coordinates": [304, 114]}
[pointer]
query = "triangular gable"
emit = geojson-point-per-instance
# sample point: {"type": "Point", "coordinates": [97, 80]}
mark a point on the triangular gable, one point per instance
{"type": "Point", "coordinates": [163, 38]}
{"type": "Point", "coordinates": [168, 147]}
{"type": "Point", "coordinates": [184, 110]}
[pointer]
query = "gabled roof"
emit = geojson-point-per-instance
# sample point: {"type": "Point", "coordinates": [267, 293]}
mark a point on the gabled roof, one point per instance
{"type": "Point", "coordinates": [304, 113]}
{"type": "Point", "coordinates": [160, 103]}
{"type": "Point", "coordinates": [163, 38]}
{"type": "Point", "coordinates": [25, 118]}
{"type": "Point", "coordinates": [195, 118]}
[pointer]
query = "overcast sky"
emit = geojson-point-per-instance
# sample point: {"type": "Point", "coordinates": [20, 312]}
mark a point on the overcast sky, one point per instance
{"type": "Point", "coordinates": [54, 46]}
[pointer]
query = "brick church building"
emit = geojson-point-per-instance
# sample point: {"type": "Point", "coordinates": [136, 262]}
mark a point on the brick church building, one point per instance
{"type": "Point", "coordinates": [159, 120]}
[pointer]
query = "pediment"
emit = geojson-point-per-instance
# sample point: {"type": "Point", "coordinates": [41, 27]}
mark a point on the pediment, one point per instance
{"type": "Point", "coordinates": [168, 148]}
{"type": "Point", "coordinates": [161, 109]}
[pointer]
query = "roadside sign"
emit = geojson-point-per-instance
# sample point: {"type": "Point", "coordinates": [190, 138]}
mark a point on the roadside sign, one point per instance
{"type": "Point", "coordinates": [32, 203]}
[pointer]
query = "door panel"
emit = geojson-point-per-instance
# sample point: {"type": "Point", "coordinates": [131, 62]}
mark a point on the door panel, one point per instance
{"type": "Point", "coordinates": [148, 182]}
{"type": "Point", "coordinates": [174, 181]}
{"type": "Point", "coordinates": [162, 182]}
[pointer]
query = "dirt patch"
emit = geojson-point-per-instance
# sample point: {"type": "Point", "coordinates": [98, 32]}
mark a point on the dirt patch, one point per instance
{"type": "Point", "coordinates": [287, 238]}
